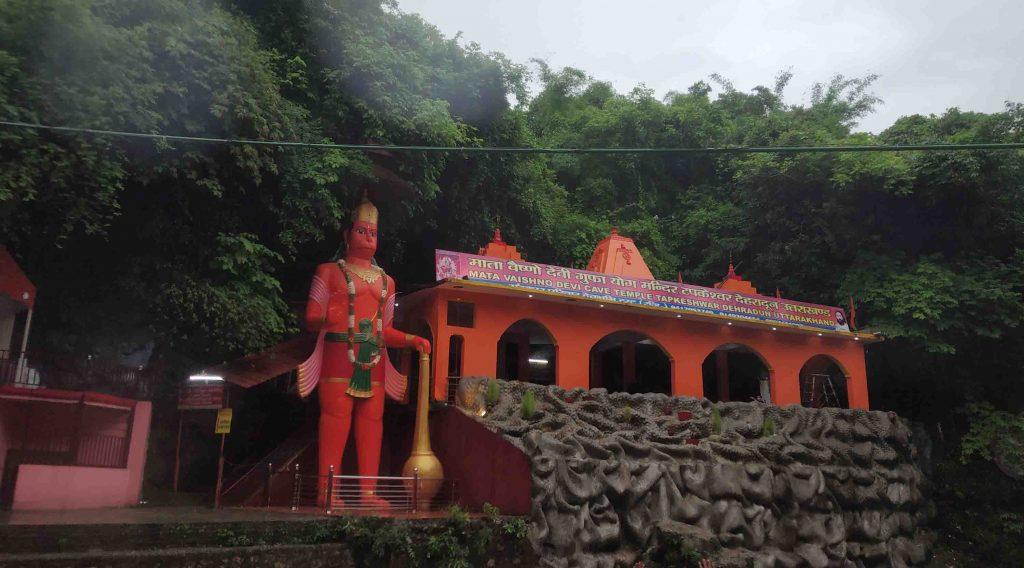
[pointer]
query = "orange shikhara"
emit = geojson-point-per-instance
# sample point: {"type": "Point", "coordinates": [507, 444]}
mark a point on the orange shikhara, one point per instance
{"type": "Point", "coordinates": [500, 249]}
{"type": "Point", "coordinates": [733, 282]}
{"type": "Point", "coordinates": [618, 255]}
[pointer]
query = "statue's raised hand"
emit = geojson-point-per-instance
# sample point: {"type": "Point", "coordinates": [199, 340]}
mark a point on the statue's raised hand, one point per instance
{"type": "Point", "coordinates": [421, 345]}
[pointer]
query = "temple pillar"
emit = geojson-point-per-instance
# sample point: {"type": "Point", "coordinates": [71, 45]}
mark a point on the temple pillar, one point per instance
{"type": "Point", "coordinates": [439, 349]}
{"type": "Point", "coordinates": [785, 384]}
{"type": "Point", "coordinates": [480, 353]}
{"type": "Point", "coordinates": [573, 354]}
{"type": "Point", "coordinates": [596, 377]}
{"type": "Point", "coordinates": [523, 357]}
{"type": "Point", "coordinates": [438, 368]}
{"type": "Point", "coordinates": [628, 365]}
{"type": "Point", "coordinates": [857, 380]}
{"type": "Point", "coordinates": [722, 374]}
{"type": "Point", "coordinates": [687, 377]}
{"type": "Point", "coordinates": [687, 358]}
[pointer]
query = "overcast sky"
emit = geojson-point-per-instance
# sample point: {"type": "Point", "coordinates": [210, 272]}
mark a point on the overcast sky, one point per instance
{"type": "Point", "coordinates": [930, 55]}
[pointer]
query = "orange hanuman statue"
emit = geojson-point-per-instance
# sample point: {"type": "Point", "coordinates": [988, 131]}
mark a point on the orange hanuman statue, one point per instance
{"type": "Point", "coordinates": [351, 303]}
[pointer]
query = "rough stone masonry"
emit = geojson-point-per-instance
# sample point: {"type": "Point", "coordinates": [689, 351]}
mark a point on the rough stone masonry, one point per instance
{"type": "Point", "coordinates": [613, 472]}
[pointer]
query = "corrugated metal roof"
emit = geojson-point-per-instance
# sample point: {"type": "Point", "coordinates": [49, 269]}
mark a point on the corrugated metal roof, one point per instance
{"type": "Point", "coordinates": [258, 368]}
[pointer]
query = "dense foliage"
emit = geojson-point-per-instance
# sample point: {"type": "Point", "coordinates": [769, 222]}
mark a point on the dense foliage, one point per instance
{"type": "Point", "coordinates": [203, 251]}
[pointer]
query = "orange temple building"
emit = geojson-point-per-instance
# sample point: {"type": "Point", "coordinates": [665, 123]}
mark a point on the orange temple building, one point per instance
{"type": "Point", "coordinates": [496, 315]}
{"type": "Point", "coordinates": [611, 326]}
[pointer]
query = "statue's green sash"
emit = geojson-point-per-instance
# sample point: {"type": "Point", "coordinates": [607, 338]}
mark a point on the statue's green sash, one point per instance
{"type": "Point", "coordinates": [367, 347]}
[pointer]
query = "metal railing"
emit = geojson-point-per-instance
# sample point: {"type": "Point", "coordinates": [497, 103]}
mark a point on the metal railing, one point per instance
{"type": "Point", "coordinates": [243, 485]}
{"type": "Point", "coordinates": [331, 494]}
{"type": "Point", "coordinates": [453, 389]}
{"type": "Point", "coordinates": [46, 443]}
{"type": "Point", "coordinates": [102, 451]}
{"type": "Point", "coordinates": [87, 450]}
{"type": "Point", "coordinates": [35, 369]}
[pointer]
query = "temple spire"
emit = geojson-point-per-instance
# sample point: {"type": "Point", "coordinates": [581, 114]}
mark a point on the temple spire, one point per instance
{"type": "Point", "coordinates": [734, 282]}
{"type": "Point", "coordinates": [618, 255]}
{"type": "Point", "coordinates": [498, 248]}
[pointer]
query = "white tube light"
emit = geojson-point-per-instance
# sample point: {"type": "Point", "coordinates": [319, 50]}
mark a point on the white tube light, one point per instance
{"type": "Point", "coordinates": [538, 361]}
{"type": "Point", "coordinates": [206, 378]}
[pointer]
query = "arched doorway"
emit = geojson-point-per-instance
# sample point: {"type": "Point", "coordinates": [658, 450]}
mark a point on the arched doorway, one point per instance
{"type": "Point", "coordinates": [823, 383]}
{"type": "Point", "coordinates": [628, 361]}
{"type": "Point", "coordinates": [735, 372]}
{"type": "Point", "coordinates": [527, 352]}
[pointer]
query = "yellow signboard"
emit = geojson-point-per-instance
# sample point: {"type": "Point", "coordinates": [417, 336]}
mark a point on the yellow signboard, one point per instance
{"type": "Point", "coordinates": [223, 421]}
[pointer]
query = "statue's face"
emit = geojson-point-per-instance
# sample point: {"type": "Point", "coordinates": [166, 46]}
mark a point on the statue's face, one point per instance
{"type": "Point", "coordinates": [362, 240]}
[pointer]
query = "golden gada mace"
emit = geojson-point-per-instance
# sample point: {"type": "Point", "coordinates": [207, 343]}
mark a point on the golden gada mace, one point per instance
{"type": "Point", "coordinates": [423, 464]}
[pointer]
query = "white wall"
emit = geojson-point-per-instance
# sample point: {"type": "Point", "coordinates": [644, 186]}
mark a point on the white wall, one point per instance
{"type": "Point", "coordinates": [75, 487]}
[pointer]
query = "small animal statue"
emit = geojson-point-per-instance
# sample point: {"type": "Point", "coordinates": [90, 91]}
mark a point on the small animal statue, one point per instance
{"type": "Point", "coordinates": [469, 395]}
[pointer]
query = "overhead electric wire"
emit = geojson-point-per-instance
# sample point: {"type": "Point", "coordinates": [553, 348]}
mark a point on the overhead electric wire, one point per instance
{"type": "Point", "coordinates": [515, 149]}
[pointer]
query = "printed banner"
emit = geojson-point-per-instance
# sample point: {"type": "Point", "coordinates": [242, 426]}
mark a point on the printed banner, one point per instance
{"type": "Point", "coordinates": [199, 397]}
{"type": "Point", "coordinates": [684, 298]}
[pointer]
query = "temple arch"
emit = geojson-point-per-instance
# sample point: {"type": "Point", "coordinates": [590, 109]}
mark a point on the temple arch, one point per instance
{"type": "Point", "coordinates": [527, 351]}
{"type": "Point", "coordinates": [630, 361]}
{"type": "Point", "coordinates": [736, 372]}
{"type": "Point", "coordinates": [823, 383]}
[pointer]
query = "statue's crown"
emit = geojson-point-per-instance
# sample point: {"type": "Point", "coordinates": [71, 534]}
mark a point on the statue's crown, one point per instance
{"type": "Point", "coordinates": [365, 212]}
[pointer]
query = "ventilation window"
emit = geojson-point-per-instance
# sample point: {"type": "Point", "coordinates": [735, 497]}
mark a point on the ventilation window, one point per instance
{"type": "Point", "coordinates": [460, 314]}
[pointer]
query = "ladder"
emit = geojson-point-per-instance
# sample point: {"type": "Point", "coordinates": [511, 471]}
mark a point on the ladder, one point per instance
{"type": "Point", "coordinates": [828, 391]}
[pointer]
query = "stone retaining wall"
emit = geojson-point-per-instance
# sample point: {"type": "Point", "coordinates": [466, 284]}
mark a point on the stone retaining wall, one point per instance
{"type": "Point", "coordinates": [828, 487]}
